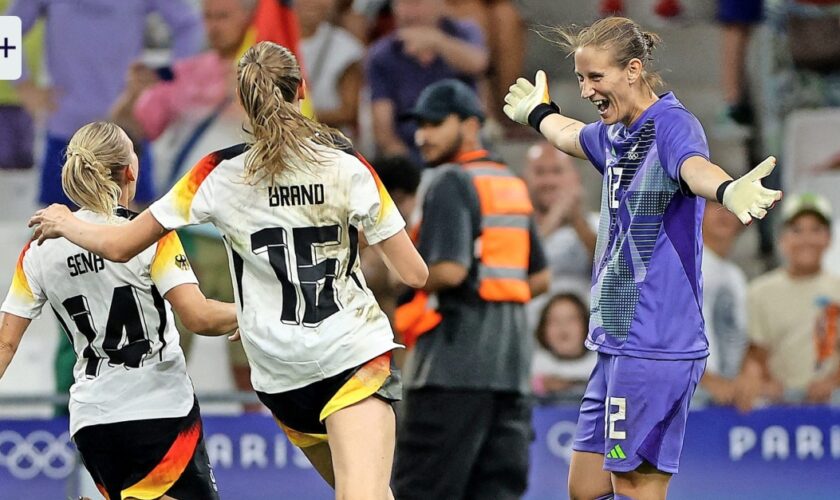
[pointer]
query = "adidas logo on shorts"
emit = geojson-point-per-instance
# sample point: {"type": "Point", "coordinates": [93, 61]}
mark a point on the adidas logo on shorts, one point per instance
{"type": "Point", "coordinates": [617, 453]}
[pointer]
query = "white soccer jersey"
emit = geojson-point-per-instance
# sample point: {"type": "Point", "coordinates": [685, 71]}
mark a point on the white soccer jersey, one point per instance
{"type": "Point", "coordinates": [129, 362]}
{"type": "Point", "coordinates": [305, 312]}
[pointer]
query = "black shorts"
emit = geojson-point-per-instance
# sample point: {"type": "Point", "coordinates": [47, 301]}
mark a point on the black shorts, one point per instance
{"type": "Point", "coordinates": [149, 458]}
{"type": "Point", "coordinates": [462, 444]}
{"type": "Point", "coordinates": [301, 412]}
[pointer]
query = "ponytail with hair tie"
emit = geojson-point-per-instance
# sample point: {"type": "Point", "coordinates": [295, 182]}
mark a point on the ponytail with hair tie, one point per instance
{"type": "Point", "coordinates": [95, 161]}
{"type": "Point", "coordinates": [281, 136]}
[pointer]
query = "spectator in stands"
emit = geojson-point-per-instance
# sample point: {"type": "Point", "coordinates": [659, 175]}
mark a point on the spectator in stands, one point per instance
{"type": "Point", "coordinates": [504, 31]}
{"type": "Point", "coordinates": [737, 18]}
{"type": "Point", "coordinates": [196, 111]}
{"type": "Point", "coordinates": [86, 80]}
{"type": "Point", "coordinates": [188, 117]}
{"type": "Point", "coordinates": [426, 47]}
{"type": "Point", "coordinates": [567, 230]}
{"type": "Point", "coordinates": [561, 362]}
{"type": "Point", "coordinates": [18, 138]}
{"type": "Point", "coordinates": [662, 8]}
{"type": "Point", "coordinates": [334, 64]}
{"type": "Point", "coordinates": [724, 305]}
{"type": "Point", "coordinates": [793, 314]}
{"type": "Point", "coordinates": [365, 19]}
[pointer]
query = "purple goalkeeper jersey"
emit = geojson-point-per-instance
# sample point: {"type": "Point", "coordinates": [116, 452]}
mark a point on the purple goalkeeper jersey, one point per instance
{"type": "Point", "coordinates": [647, 292]}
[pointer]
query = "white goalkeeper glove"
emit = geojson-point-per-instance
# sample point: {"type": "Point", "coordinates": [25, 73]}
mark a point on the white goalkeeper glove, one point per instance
{"type": "Point", "coordinates": [746, 197]}
{"type": "Point", "coordinates": [528, 103]}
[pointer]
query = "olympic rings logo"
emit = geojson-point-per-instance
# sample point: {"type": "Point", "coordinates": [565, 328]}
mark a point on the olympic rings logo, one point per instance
{"type": "Point", "coordinates": [38, 452]}
{"type": "Point", "coordinates": [560, 438]}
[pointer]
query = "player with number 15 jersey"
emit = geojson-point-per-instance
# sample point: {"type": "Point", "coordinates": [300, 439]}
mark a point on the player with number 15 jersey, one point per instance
{"type": "Point", "coordinates": [294, 251]}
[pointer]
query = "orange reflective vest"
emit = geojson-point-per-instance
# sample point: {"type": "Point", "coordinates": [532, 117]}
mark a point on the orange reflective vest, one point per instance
{"type": "Point", "coordinates": [502, 249]}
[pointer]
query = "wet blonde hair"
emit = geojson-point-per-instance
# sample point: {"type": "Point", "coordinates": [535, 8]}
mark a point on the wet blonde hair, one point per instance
{"type": "Point", "coordinates": [624, 37]}
{"type": "Point", "coordinates": [94, 168]}
{"type": "Point", "coordinates": [268, 80]}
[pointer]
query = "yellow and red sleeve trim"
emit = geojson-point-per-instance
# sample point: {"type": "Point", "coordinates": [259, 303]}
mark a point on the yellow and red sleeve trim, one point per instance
{"type": "Point", "coordinates": [386, 203]}
{"type": "Point", "coordinates": [20, 285]}
{"type": "Point", "coordinates": [169, 255]}
{"type": "Point", "coordinates": [163, 476]}
{"type": "Point", "coordinates": [186, 188]}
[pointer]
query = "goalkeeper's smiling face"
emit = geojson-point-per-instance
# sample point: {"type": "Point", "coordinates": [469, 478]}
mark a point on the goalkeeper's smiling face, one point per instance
{"type": "Point", "coordinates": [618, 93]}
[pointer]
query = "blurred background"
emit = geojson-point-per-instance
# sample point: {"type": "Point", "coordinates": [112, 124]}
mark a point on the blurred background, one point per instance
{"type": "Point", "coordinates": [762, 77]}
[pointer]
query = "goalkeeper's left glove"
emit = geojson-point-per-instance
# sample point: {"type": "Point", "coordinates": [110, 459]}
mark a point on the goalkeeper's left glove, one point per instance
{"type": "Point", "coordinates": [746, 197]}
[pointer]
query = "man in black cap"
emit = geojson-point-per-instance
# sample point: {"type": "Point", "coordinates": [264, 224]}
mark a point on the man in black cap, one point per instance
{"type": "Point", "coordinates": [466, 425]}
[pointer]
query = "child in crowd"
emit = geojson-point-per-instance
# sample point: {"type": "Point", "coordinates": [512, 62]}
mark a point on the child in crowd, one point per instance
{"type": "Point", "coordinates": [561, 362]}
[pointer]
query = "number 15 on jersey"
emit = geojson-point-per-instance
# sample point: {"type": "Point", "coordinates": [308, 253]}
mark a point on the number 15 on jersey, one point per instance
{"type": "Point", "coordinates": [309, 279]}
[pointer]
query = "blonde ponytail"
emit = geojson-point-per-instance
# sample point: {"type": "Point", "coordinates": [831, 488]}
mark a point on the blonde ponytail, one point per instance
{"type": "Point", "coordinates": [268, 80]}
{"type": "Point", "coordinates": [96, 158]}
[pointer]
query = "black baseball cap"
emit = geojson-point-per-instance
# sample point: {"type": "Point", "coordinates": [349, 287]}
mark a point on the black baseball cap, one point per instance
{"type": "Point", "coordinates": [443, 98]}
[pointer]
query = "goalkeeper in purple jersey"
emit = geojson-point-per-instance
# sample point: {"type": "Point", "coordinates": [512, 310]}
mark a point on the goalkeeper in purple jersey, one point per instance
{"type": "Point", "coordinates": [646, 306]}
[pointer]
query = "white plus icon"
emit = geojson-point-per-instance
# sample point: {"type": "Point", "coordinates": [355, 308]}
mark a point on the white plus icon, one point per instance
{"type": "Point", "coordinates": [10, 48]}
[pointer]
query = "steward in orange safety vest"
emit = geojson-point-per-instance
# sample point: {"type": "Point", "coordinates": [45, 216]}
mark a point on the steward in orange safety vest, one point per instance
{"type": "Point", "coordinates": [502, 248]}
{"type": "Point", "coordinates": [466, 412]}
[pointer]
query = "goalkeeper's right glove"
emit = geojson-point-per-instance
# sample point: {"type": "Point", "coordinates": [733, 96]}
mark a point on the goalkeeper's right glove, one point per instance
{"type": "Point", "coordinates": [746, 197]}
{"type": "Point", "coordinates": [529, 104]}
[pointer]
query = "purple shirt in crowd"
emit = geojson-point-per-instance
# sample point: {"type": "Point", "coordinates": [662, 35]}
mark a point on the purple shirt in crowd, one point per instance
{"type": "Point", "coordinates": [399, 78]}
{"type": "Point", "coordinates": [647, 295]}
{"type": "Point", "coordinates": [90, 45]}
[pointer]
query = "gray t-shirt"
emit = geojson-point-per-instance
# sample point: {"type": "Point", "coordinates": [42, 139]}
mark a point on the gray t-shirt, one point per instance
{"type": "Point", "coordinates": [479, 344]}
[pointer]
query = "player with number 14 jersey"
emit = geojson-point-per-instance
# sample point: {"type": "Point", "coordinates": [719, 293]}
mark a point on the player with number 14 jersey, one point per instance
{"type": "Point", "coordinates": [133, 414]}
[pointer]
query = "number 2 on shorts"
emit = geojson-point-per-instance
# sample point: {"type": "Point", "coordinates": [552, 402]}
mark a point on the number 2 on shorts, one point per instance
{"type": "Point", "coordinates": [619, 415]}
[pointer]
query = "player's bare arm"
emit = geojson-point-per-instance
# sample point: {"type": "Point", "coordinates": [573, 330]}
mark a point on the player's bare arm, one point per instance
{"type": "Point", "coordinates": [12, 328]}
{"type": "Point", "coordinates": [401, 257]}
{"type": "Point", "coordinates": [445, 274]}
{"type": "Point", "coordinates": [530, 104]}
{"type": "Point", "coordinates": [199, 314]}
{"type": "Point", "coordinates": [118, 243]}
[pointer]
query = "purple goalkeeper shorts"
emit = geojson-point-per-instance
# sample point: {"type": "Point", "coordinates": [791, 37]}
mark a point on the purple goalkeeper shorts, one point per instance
{"type": "Point", "coordinates": [635, 410]}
